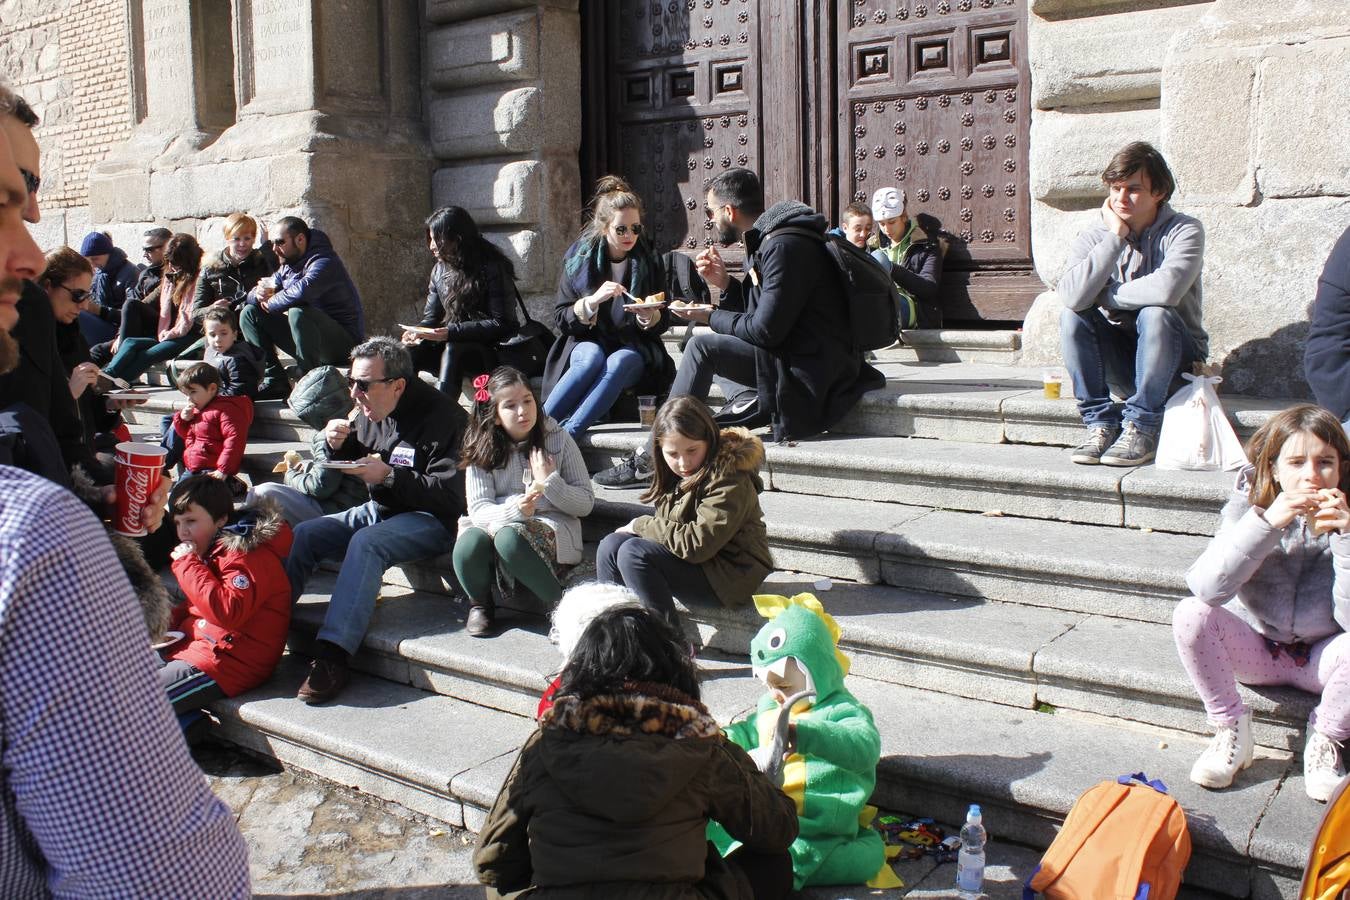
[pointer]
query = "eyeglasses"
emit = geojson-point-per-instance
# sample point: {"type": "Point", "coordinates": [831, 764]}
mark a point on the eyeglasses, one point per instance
{"type": "Point", "coordinates": [622, 230]}
{"type": "Point", "coordinates": [153, 248]}
{"type": "Point", "coordinates": [276, 242]}
{"type": "Point", "coordinates": [30, 181]}
{"type": "Point", "coordinates": [709, 211]}
{"type": "Point", "coordinates": [363, 384]}
{"type": "Point", "coordinates": [76, 294]}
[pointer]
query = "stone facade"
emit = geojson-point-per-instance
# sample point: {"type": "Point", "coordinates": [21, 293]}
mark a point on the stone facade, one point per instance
{"type": "Point", "coordinates": [363, 115]}
{"type": "Point", "coordinates": [68, 58]}
{"type": "Point", "coordinates": [1247, 103]}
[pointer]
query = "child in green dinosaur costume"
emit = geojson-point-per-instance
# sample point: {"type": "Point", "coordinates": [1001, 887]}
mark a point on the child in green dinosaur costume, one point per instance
{"type": "Point", "coordinates": [833, 746]}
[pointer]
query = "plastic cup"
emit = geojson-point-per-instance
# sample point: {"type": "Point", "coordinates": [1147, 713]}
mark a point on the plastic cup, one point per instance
{"type": "Point", "coordinates": [1052, 381]}
{"type": "Point", "coordinates": [647, 410]}
{"type": "Point", "coordinates": [139, 470]}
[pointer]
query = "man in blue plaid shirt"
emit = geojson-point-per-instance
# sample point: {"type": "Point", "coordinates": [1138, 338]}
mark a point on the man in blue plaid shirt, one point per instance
{"type": "Point", "coordinates": [98, 795]}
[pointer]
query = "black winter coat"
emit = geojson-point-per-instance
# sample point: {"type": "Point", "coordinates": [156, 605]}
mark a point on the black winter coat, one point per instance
{"type": "Point", "coordinates": [614, 327]}
{"type": "Point", "coordinates": [920, 273]}
{"type": "Point", "coordinates": [146, 287]}
{"type": "Point", "coordinates": [42, 383]}
{"type": "Point", "coordinates": [486, 316]}
{"type": "Point", "coordinates": [225, 279]}
{"type": "Point", "coordinates": [1326, 357]}
{"type": "Point", "coordinates": [95, 417]}
{"type": "Point", "coordinates": [793, 311]}
{"type": "Point", "coordinates": [432, 424]}
{"type": "Point", "coordinates": [111, 284]}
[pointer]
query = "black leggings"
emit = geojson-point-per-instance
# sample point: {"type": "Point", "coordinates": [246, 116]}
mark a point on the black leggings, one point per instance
{"type": "Point", "coordinates": [652, 572]}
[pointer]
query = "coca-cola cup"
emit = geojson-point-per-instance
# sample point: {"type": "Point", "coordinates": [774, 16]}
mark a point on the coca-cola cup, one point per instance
{"type": "Point", "coordinates": [139, 469]}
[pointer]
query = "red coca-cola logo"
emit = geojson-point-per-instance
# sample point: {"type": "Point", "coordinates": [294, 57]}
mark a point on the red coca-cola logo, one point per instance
{"type": "Point", "coordinates": [135, 489]}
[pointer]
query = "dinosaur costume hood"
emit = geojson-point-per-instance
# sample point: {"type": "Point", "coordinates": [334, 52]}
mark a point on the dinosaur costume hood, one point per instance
{"type": "Point", "coordinates": [798, 649]}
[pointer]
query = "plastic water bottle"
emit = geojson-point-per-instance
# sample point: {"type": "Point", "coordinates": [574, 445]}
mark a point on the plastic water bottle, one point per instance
{"type": "Point", "coordinates": [970, 861]}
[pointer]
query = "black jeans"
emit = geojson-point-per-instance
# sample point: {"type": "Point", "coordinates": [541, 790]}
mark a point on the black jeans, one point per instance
{"type": "Point", "coordinates": [452, 360]}
{"type": "Point", "coordinates": [652, 572]}
{"type": "Point", "coordinates": [725, 356]}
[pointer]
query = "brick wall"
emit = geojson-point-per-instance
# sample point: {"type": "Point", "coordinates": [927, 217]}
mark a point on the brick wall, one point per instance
{"type": "Point", "coordinates": [68, 58]}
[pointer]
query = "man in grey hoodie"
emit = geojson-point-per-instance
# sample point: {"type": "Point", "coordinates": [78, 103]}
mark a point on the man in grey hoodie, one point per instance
{"type": "Point", "coordinates": [1131, 318]}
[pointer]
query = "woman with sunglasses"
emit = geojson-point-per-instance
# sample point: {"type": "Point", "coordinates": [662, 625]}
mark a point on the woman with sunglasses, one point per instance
{"type": "Point", "coordinates": [606, 348]}
{"type": "Point", "coordinates": [470, 302]}
{"type": "Point", "coordinates": [66, 281]}
{"type": "Point", "coordinates": [176, 329]}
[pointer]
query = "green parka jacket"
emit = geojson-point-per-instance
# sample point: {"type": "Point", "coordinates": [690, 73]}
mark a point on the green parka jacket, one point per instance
{"type": "Point", "coordinates": [611, 797]}
{"type": "Point", "coordinates": [719, 524]}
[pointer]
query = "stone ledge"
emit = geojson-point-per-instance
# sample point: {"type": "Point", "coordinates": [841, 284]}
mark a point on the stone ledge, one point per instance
{"type": "Point", "coordinates": [500, 48]}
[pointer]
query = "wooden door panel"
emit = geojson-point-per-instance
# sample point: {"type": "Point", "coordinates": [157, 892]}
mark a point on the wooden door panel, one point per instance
{"type": "Point", "coordinates": [683, 104]}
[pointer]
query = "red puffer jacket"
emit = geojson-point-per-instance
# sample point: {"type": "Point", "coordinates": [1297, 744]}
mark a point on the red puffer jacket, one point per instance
{"type": "Point", "coordinates": [238, 606]}
{"type": "Point", "coordinates": [216, 436]}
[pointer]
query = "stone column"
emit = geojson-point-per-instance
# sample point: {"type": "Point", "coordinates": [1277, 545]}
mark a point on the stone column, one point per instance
{"type": "Point", "coordinates": [504, 114]}
{"type": "Point", "coordinates": [324, 107]}
{"type": "Point", "coordinates": [1253, 123]}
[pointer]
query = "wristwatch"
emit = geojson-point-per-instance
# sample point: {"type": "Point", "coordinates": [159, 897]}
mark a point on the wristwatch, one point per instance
{"type": "Point", "coordinates": [388, 480]}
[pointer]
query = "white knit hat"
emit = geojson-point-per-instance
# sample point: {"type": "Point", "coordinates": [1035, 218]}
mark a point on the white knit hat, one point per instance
{"type": "Point", "coordinates": [887, 203]}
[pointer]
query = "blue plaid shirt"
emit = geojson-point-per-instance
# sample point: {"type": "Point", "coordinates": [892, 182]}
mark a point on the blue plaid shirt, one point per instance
{"type": "Point", "coordinates": [98, 795]}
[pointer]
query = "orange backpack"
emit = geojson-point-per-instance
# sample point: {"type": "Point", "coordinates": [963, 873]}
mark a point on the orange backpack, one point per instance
{"type": "Point", "coordinates": [1124, 839]}
{"type": "Point", "coordinates": [1327, 875]}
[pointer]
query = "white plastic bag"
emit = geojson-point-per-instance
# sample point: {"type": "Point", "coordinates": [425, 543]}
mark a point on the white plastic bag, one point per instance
{"type": "Point", "coordinates": [1195, 432]}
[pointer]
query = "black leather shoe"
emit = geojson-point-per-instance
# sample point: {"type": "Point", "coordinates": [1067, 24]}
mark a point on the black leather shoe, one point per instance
{"type": "Point", "coordinates": [479, 623]}
{"type": "Point", "coordinates": [326, 680]}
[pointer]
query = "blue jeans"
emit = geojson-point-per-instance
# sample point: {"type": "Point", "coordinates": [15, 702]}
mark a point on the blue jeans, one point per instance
{"type": "Point", "coordinates": [1146, 358]}
{"type": "Point", "coordinates": [367, 544]}
{"type": "Point", "coordinates": [135, 356]}
{"type": "Point", "coordinates": [591, 384]}
{"type": "Point", "coordinates": [95, 330]}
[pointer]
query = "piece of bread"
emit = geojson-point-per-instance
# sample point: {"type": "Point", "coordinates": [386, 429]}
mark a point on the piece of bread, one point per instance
{"type": "Point", "coordinates": [290, 460]}
{"type": "Point", "coordinates": [655, 298]}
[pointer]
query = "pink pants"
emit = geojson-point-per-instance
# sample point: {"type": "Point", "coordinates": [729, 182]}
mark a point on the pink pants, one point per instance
{"type": "Point", "coordinates": [1218, 650]}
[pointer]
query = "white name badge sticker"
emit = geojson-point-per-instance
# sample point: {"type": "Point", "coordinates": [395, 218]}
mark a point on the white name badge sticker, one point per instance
{"type": "Point", "coordinates": [402, 456]}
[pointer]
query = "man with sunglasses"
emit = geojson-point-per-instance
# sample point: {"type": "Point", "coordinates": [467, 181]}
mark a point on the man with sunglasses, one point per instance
{"type": "Point", "coordinates": [405, 435]}
{"type": "Point", "coordinates": [310, 308]}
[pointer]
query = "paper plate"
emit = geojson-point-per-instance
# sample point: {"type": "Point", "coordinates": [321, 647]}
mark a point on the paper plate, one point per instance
{"type": "Point", "coordinates": [418, 329]}
{"type": "Point", "coordinates": [170, 638]}
{"type": "Point", "coordinates": [140, 396]}
{"type": "Point", "coordinates": [340, 464]}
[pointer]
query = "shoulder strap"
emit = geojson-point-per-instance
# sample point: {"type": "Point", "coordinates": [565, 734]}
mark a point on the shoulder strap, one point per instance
{"type": "Point", "coordinates": [1083, 819]}
{"type": "Point", "coordinates": [1132, 862]}
{"type": "Point", "coordinates": [521, 303]}
{"type": "Point", "coordinates": [793, 229]}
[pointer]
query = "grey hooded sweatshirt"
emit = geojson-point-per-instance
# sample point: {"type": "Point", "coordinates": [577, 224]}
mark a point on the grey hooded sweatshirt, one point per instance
{"type": "Point", "coordinates": [1287, 583]}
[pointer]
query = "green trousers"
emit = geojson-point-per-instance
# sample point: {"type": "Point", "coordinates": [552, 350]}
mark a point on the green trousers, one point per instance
{"type": "Point", "coordinates": [477, 554]}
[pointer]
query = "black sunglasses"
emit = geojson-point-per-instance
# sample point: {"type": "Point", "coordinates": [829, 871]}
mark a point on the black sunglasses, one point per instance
{"type": "Point", "coordinates": [76, 294]}
{"type": "Point", "coordinates": [363, 384]}
{"type": "Point", "coordinates": [30, 181]}
{"type": "Point", "coordinates": [153, 248]}
{"type": "Point", "coordinates": [622, 230]}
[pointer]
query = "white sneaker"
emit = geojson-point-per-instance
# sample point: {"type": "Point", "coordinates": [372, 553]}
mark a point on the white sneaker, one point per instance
{"type": "Point", "coordinates": [1229, 753]}
{"type": "Point", "coordinates": [1322, 769]}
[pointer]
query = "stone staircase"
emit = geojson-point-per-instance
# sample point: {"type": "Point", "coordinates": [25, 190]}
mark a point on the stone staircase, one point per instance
{"type": "Point", "coordinates": [1006, 611]}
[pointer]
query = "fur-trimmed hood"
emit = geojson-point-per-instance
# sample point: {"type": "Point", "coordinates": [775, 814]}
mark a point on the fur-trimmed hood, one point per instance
{"type": "Point", "coordinates": [738, 451]}
{"type": "Point", "coordinates": [256, 525]}
{"type": "Point", "coordinates": [150, 590]}
{"type": "Point", "coordinates": [624, 715]}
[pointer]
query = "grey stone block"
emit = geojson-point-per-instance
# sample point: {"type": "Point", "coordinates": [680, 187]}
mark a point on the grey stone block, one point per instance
{"type": "Point", "coordinates": [1068, 162]}
{"type": "Point", "coordinates": [1077, 568]}
{"type": "Point", "coordinates": [1209, 145]}
{"type": "Point", "coordinates": [494, 193]}
{"type": "Point", "coordinates": [1174, 501]}
{"type": "Point", "coordinates": [487, 122]}
{"type": "Point", "coordinates": [499, 48]}
{"type": "Point", "coordinates": [1130, 670]}
{"type": "Point", "coordinates": [1298, 90]}
{"type": "Point", "coordinates": [1286, 831]}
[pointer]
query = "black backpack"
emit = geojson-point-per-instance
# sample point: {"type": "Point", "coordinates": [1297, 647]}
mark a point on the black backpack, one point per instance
{"type": "Point", "coordinates": [876, 310]}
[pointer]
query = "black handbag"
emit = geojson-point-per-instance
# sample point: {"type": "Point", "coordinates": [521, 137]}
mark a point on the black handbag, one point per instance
{"type": "Point", "coordinates": [527, 349]}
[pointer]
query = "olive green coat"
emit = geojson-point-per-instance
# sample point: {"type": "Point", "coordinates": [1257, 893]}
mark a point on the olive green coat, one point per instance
{"type": "Point", "coordinates": [719, 525]}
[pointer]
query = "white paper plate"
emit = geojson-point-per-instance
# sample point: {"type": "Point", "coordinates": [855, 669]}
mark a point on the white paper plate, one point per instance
{"type": "Point", "coordinates": [344, 465]}
{"type": "Point", "coordinates": [644, 305]}
{"type": "Point", "coordinates": [690, 307]}
{"type": "Point", "coordinates": [170, 638]}
{"type": "Point", "coordinates": [418, 329]}
{"type": "Point", "coordinates": [128, 395]}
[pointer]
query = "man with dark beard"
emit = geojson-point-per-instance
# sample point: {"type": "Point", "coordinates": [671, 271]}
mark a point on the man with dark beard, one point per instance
{"type": "Point", "coordinates": [781, 342]}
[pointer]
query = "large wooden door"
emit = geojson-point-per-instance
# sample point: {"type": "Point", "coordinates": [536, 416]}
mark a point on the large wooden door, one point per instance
{"type": "Point", "coordinates": [674, 98]}
{"type": "Point", "coordinates": [933, 99]}
{"type": "Point", "coordinates": [828, 100]}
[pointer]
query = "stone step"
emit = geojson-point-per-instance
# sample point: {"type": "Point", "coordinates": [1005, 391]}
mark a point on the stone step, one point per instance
{"type": "Point", "coordinates": [918, 345]}
{"type": "Point", "coordinates": [1014, 655]}
{"type": "Point", "coordinates": [1116, 572]}
{"type": "Point", "coordinates": [969, 402]}
{"type": "Point", "coordinates": [447, 758]}
{"type": "Point", "coordinates": [1017, 479]}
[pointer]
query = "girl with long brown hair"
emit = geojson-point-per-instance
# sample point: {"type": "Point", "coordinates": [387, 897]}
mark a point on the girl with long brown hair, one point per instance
{"type": "Point", "coordinates": [527, 488]}
{"type": "Point", "coordinates": [176, 330]}
{"type": "Point", "coordinates": [706, 538]}
{"type": "Point", "coordinates": [1272, 597]}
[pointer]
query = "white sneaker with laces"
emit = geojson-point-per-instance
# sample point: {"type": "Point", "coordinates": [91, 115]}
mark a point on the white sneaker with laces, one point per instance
{"type": "Point", "coordinates": [1229, 753]}
{"type": "Point", "coordinates": [1322, 768]}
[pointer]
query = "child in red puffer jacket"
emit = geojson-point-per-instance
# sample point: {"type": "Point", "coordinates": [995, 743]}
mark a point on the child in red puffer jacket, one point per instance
{"type": "Point", "coordinates": [238, 605]}
{"type": "Point", "coordinates": [214, 428]}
